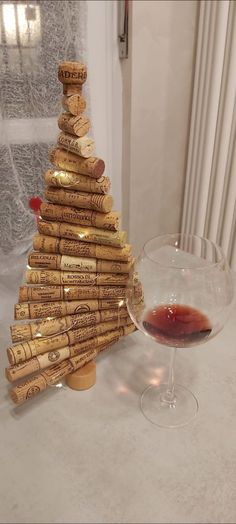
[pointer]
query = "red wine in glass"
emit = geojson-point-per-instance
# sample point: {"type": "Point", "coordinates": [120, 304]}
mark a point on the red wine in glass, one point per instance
{"type": "Point", "coordinates": [177, 325]}
{"type": "Point", "coordinates": [186, 297]}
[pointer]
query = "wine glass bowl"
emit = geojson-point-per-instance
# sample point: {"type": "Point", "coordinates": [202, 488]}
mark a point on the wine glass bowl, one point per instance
{"type": "Point", "coordinates": [185, 297]}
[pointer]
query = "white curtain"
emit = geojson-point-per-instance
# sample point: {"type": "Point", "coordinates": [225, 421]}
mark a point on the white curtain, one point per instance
{"type": "Point", "coordinates": [210, 189]}
{"type": "Point", "coordinates": [34, 37]}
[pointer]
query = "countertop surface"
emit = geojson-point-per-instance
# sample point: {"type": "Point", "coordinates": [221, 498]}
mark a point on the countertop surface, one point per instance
{"type": "Point", "coordinates": [92, 457]}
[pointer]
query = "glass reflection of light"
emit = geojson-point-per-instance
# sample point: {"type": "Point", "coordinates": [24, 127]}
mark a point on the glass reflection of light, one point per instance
{"type": "Point", "coordinates": [154, 381]}
{"type": "Point", "coordinates": [122, 389]}
{"type": "Point", "coordinates": [158, 375]}
{"type": "Point", "coordinates": [159, 372]}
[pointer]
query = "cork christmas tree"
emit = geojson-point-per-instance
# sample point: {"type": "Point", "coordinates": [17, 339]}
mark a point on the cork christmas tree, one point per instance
{"type": "Point", "coordinates": [72, 305]}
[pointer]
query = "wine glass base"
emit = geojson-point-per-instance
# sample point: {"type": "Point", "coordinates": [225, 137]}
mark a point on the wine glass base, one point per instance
{"type": "Point", "coordinates": [168, 415]}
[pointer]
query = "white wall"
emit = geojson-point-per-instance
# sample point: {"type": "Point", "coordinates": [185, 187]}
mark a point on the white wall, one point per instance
{"type": "Point", "coordinates": [158, 96]}
{"type": "Point", "coordinates": [105, 88]}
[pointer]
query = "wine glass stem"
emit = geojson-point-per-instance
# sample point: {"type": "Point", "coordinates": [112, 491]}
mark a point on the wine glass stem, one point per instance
{"type": "Point", "coordinates": [169, 395]}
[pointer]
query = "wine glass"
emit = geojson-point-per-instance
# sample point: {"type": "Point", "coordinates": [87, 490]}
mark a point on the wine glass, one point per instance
{"type": "Point", "coordinates": [182, 297]}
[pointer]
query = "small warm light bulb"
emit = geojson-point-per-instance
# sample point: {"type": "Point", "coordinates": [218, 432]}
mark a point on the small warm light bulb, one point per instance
{"type": "Point", "coordinates": [159, 372]}
{"type": "Point", "coordinates": [154, 381]}
{"type": "Point", "coordinates": [122, 389]}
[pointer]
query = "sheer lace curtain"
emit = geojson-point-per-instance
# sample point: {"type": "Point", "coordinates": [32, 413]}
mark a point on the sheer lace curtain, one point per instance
{"type": "Point", "coordinates": [34, 37]}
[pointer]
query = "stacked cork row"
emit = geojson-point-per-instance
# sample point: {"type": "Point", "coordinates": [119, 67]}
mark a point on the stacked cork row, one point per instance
{"type": "Point", "coordinates": [72, 305]}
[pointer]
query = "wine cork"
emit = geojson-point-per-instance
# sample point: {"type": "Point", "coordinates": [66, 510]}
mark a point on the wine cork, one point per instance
{"type": "Point", "coordinates": [48, 244]}
{"type": "Point", "coordinates": [28, 389]}
{"type": "Point", "coordinates": [73, 247]}
{"type": "Point", "coordinates": [65, 263]}
{"type": "Point", "coordinates": [108, 338]}
{"type": "Point", "coordinates": [22, 370]}
{"type": "Point", "coordinates": [74, 104]}
{"type": "Point", "coordinates": [93, 264]}
{"type": "Point", "coordinates": [87, 332]}
{"type": "Point", "coordinates": [83, 146]}
{"type": "Point", "coordinates": [112, 266]}
{"type": "Point", "coordinates": [41, 362]}
{"type": "Point", "coordinates": [33, 294]}
{"type": "Point", "coordinates": [81, 359]}
{"type": "Point", "coordinates": [98, 343]}
{"type": "Point", "coordinates": [94, 201]}
{"type": "Point", "coordinates": [93, 235]}
{"type": "Point", "coordinates": [33, 386]}
{"type": "Point", "coordinates": [56, 373]}
{"type": "Point", "coordinates": [87, 234]}
{"type": "Point", "coordinates": [70, 180]}
{"type": "Point", "coordinates": [45, 360]}
{"type": "Point", "coordinates": [83, 217]}
{"type": "Point", "coordinates": [101, 292]}
{"type": "Point", "coordinates": [58, 309]}
{"type": "Point", "coordinates": [110, 314]}
{"type": "Point", "coordinates": [19, 394]}
{"type": "Point", "coordinates": [21, 333]}
{"type": "Point", "coordinates": [52, 326]}
{"type": "Point", "coordinates": [40, 293]}
{"type": "Point", "coordinates": [27, 350]}
{"type": "Point", "coordinates": [69, 307]}
{"type": "Point", "coordinates": [72, 73]}
{"type": "Point", "coordinates": [72, 89]}
{"type": "Point", "coordinates": [52, 375]}
{"type": "Point", "coordinates": [91, 166]}
{"type": "Point", "coordinates": [58, 278]}
{"type": "Point", "coordinates": [75, 125]}
{"type": "Point", "coordinates": [112, 293]}
{"type": "Point", "coordinates": [83, 378]}
{"type": "Point", "coordinates": [43, 260]}
{"type": "Point", "coordinates": [21, 311]}
{"type": "Point", "coordinates": [127, 330]}
{"type": "Point", "coordinates": [59, 371]}
{"type": "Point", "coordinates": [50, 293]}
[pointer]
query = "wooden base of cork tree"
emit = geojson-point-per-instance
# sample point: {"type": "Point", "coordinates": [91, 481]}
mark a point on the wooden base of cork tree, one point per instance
{"type": "Point", "coordinates": [83, 378]}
